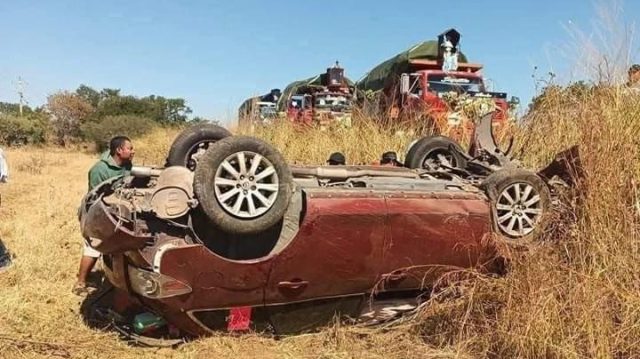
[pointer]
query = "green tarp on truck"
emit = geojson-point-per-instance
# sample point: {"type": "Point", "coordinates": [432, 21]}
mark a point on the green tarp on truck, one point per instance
{"type": "Point", "coordinates": [391, 69]}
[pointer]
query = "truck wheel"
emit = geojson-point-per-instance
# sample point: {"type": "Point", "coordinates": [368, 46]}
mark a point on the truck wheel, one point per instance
{"type": "Point", "coordinates": [191, 144]}
{"type": "Point", "coordinates": [243, 185]}
{"type": "Point", "coordinates": [519, 202]}
{"type": "Point", "coordinates": [432, 152]}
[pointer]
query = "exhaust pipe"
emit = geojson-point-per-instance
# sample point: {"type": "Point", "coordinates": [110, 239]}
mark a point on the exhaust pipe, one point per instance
{"type": "Point", "coordinates": [343, 172]}
{"type": "Point", "coordinates": [143, 172]}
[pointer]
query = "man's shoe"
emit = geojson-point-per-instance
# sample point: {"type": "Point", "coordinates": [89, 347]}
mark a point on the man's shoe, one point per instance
{"type": "Point", "coordinates": [82, 289]}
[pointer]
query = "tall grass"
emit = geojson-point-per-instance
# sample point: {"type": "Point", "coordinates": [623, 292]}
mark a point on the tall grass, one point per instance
{"type": "Point", "coordinates": [578, 295]}
{"type": "Point", "coordinates": [363, 143]}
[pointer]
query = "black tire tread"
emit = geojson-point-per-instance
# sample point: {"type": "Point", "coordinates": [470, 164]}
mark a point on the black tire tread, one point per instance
{"type": "Point", "coordinates": [183, 143]}
{"type": "Point", "coordinates": [417, 152]}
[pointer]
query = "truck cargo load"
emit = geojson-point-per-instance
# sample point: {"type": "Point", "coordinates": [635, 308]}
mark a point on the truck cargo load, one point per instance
{"type": "Point", "coordinates": [382, 74]}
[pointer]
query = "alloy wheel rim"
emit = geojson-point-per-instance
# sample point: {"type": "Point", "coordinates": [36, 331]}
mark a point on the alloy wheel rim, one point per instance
{"type": "Point", "coordinates": [518, 209]}
{"type": "Point", "coordinates": [246, 184]}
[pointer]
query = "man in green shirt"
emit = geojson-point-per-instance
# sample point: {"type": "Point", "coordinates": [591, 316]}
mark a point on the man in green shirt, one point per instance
{"type": "Point", "coordinates": [112, 163]}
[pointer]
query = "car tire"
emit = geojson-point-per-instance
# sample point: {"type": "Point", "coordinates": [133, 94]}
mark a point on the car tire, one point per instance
{"type": "Point", "coordinates": [520, 200]}
{"type": "Point", "coordinates": [243, 198]}
{"type": "Point", "coordinates": [191, 144]}
{"type": "Point", "coordinates": [428, 148]}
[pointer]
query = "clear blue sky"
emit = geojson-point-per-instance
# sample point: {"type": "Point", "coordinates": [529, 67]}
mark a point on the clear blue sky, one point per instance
{"type": "Point", "coordinates": [217, 53]}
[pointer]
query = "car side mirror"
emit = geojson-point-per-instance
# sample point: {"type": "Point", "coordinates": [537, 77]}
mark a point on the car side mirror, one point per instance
{"type": "Point", "coordinates": [404, 84]}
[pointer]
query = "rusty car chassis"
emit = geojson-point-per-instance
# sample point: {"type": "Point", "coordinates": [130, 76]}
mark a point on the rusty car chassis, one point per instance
{"type": "Point", "coordinates": [247, 242]}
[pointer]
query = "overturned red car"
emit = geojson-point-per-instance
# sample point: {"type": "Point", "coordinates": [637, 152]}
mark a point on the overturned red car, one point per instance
{"type": "Point", "coordinates": [227, 236]}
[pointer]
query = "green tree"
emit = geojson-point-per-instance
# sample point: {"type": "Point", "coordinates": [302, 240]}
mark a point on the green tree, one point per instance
{"type": "Point", "coordinates": [177, 110]}
{"type": "Point", "coordinates": [31, 128]}
{"type": "Point", "coordinates": [110, 126]}
{"type": "Point", "coordinates": [157, 108]}
{"type": "Point", "coordinates": [123, 105]}
{"type": "Point", "coordinates": [106, 93]}
{"type": "Point", "coordinates": [14, 109]}
{"type": "Point", "coordinates": [90, 95]}
{"type": "Point", "coordinates": [110, 102]}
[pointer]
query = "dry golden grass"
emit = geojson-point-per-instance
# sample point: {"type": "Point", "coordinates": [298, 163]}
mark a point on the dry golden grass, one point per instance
{"type": "Point", "coordinates": [40, 317]}
{"type": "Point", "coordinates": [363, 143]}
{"type": "Point", "coordinates": [576, 296]}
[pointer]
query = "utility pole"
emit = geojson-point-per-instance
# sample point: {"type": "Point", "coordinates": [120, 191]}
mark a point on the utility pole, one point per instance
{"type": "Point", "coordinates": [20, 88]}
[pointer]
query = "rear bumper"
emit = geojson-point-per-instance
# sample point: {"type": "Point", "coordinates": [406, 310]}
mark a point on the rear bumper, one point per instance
{"type": "Point", "coordinates": [221, 287]}
{"type": "Point", "coordinates": [116, 272]}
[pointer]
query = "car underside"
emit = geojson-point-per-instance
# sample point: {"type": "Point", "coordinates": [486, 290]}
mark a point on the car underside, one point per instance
{"type": "Point", "coordinates": [235, 239]}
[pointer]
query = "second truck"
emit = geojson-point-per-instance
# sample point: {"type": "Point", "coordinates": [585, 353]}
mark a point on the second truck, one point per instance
{"type": "Point", "coordinates": [322, 100]}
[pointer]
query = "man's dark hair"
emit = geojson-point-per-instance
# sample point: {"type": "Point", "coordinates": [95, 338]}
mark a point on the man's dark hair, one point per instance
{"type": "Point", "coordinates": [117, 142]}
{"type": "Point", "coordinates": [336, 158]}
{"type": "Point", "coordinates": [634, 68]}
{"type": "Point", "coordinates": [390, 157]}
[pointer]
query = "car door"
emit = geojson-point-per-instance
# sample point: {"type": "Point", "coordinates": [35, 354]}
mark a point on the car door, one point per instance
{"type": "Point", "coordinates": [332, 263]}
{"type": "Point", "coordinates": [432, 233]}
{"type": "Point", "coordinates": [221, 288]}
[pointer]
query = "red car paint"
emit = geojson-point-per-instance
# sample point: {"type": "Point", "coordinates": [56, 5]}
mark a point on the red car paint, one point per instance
{"type": "Point", "coordinates": [350, 244]}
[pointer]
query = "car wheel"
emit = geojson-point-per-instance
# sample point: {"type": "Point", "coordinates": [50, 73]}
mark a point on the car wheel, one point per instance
{"type": "Point", "coordinates": [519, 202]}
{"type": "Point", "coordinates": [191, 144]}
{"type": "Point", "coordinates": [433, 152]}
{"type": "Point", "coordinates": [243, 185]}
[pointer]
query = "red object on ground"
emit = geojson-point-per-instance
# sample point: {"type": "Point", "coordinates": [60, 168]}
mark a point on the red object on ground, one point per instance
{"type": "Point", "coordinates": [239, 319]}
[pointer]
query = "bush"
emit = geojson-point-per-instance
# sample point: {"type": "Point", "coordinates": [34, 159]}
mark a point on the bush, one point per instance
{"type": "Point", "coordinates": [68, 112]}
{"type": "Point", "coordinates": [126, 125]}
{"type": "Point", "coordinates": [15, 130]}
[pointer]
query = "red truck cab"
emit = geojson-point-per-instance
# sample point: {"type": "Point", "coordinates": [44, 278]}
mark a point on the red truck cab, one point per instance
{"type": "Point", "coordinates": [426, 86]}
{"type": "Point", "coordinates": [300, 109]}
{"type": "Point", "coordinates": [322, 100]}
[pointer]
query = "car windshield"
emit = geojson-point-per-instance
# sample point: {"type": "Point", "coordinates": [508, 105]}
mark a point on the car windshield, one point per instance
{"type": "Point", "coordinates": [446, 83]}
{"type": "Point", "coordinates": [336, 102]}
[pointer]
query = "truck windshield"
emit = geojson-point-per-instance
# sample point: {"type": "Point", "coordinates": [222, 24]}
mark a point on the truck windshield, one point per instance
{"type": "Point", "coordinates": [268, 111]}
{"type": "Point", "coordinates": [296, 102]}
{"type": "Point", "coordinates": [445, 83]}
{"type": "Point", "coordinates": [335, 102]}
